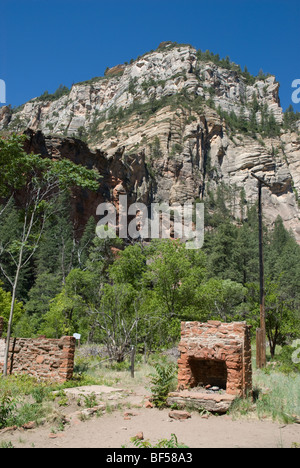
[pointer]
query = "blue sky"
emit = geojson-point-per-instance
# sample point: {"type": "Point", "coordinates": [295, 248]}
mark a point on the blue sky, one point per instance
{"type": "Point", "coordinates": [45, 43]}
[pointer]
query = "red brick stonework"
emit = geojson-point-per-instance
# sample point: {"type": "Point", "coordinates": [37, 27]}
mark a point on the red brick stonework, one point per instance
{"type": "Point", "coordinates": [42, 358]}
{"type": "Point", "coordinates": [215, 354]}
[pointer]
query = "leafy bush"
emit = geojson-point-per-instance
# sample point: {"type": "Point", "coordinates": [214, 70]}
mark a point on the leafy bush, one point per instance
{"type": "Point", "coordinates": [161, 383]}
{"type": "Point", "coordinates": [7, 407]}
{"type": "Point", "coordinates": [90, 400]}
{"type": "Point", "coordinates": [40, 393]}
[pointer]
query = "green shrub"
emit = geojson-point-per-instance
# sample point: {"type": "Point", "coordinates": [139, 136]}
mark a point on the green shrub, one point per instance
{"type": "Point", "coordinates": [161, 383]}
{"type": "Point", "coordinates": [7, 407]}
{"type": "Point", "coordinates": [39, 394]}
{"type": "Point", "coordinates": [89, 400]}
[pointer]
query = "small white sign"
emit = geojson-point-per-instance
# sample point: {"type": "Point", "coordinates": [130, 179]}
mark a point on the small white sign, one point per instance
{"type": "Point", "coordinates": [77, 336]}
{"type": "Point", "coordinates": [2, 350]}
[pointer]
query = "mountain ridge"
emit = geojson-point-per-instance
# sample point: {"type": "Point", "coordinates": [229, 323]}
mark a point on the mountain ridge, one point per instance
{"type": "Point", "coordinates": [199, 122]}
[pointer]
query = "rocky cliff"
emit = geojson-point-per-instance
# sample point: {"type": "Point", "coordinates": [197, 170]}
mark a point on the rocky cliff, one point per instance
{"type": "Point", "coordinates": [173, 125]}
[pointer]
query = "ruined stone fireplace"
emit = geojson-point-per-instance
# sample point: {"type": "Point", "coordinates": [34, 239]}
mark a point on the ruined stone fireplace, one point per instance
{"type": "Point", "coordinates": [214, 365]}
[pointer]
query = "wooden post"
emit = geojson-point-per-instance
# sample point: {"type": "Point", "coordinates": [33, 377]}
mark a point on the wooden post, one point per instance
{"type": "Point", "coordinates": [261, 349]}
{"type": "Point", "coordinates": [12, 356]}
{"type": "Point", "coordinates": [261, 332]}
{"type": "Point", "coordinates": [132, 361]}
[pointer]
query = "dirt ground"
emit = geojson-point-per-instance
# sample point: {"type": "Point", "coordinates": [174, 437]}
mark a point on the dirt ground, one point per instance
{"type": "Point", "coordinates": [125, 416]}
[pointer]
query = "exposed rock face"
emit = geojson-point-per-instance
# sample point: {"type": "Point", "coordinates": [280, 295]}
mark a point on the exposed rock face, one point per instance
{"type": "Point", "coordinates": [5, 116]}
{"type": "Point", "coordinates": [156, 131]}
{"type": "Point", "coordinates": [162, 73]}
{"type": "Point", "coordinates": [121, 173]}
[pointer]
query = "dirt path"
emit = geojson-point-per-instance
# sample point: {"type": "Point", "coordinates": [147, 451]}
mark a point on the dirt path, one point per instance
{"type": "Point", "coordinates": [114, 429]}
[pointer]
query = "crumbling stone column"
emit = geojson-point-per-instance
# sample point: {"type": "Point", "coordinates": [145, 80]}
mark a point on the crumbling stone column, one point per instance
{"type": "Point", "coordinates": [215, 353]}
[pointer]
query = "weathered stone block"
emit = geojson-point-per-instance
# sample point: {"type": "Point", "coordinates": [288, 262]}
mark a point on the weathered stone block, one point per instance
{"type": "Point", "coordinates": [209, 402]}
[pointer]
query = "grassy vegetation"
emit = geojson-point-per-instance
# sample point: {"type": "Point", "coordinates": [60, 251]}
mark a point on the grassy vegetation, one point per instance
{"type": "Point", "coordinates": [23, 399]}
{"type": "Point", "coordinates": [276, 394]}
{"type": "Point", "coordinates": [276, 391]}
{"type": "Point", "coordinates": [162, 443]}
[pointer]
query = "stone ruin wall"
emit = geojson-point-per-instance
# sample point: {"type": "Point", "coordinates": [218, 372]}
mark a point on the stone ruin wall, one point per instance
{"type": "Point", "coordinates": [42, 358]}
{"type": "Point", "coordinates": [215, 353]}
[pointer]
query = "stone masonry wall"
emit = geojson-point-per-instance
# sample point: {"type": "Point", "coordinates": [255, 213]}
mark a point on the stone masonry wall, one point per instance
{"type": "Point", "coordinates": [216, 353]}
{"type": "Point", "coordinates": [42, 358]}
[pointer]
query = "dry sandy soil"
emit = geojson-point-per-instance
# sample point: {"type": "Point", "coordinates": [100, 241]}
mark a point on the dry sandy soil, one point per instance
{"type": "Point", "coordinates": [115, 428]}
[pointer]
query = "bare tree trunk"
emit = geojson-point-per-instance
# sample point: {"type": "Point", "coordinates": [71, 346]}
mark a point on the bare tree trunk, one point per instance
{"type": "Point", "coordinates": [27, 228]}
{"type": "Point", "coordinates": [12, 308]}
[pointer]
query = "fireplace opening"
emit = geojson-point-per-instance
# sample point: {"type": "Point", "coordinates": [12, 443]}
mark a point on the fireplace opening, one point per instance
{"type": "Point", "coordinates": [208, 372]}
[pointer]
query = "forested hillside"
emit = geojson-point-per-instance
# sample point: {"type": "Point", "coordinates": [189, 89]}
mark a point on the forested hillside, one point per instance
{"type": "Point", "coordinates": [119, 294]}
{"type": "Point", "coordinates": [175, 125]}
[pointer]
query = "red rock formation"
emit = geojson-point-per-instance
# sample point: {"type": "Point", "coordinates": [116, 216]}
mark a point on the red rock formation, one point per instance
{"type": "Point", "coordinates": [126, 174]}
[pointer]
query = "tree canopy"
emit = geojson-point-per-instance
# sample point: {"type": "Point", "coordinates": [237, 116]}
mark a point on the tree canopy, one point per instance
{"type": "Point", "coordinates": [121, 295]}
